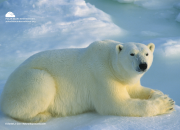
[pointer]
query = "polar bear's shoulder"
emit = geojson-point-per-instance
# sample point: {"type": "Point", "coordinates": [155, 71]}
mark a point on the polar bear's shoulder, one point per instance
{"type": "Point", "coordinates": [51, 56]}
{"type": "Point", "coordinates": [103, 45]}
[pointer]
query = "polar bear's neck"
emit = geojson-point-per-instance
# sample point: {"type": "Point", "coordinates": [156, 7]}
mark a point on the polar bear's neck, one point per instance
{"type": "Point", "coordinates": [125, 78]}
{"type": "Point", "coordinates": [121, 74]}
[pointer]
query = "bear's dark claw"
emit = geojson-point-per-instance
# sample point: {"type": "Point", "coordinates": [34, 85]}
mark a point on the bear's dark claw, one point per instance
{"type": "Point", "coordinates": [170, 108]}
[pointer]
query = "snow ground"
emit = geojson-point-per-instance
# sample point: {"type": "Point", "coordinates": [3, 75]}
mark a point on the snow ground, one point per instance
{"type": "Point", "coordinates": [93, 121]}
{"type": "Point", "coordinates": [77, 23]}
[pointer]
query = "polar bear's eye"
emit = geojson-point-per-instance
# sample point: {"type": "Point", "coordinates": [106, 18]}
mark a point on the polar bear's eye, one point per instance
{"type": "Point", "coordinates": [147, 54]}
{"type": "Point", "coordinates": [132, 54]}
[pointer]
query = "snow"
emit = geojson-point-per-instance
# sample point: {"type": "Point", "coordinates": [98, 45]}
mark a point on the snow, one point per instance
{"type": "Point", "coordinates": [165, 122]}
{"type": "Point", "coordinates": [93, 121]}
{"type": "Point", "coordinates": [152, 4]}
{"type": "Point", "coordinates": [59, 24]}
{"type": "Point", "coordinates": [178, 18]}
{"type": "Point", "coordinates": [76, 23]}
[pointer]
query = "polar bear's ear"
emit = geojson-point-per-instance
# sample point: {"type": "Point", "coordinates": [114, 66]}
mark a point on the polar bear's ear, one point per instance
{"type": "Point", "coordinates": [151, 47]}
{"type": "Point", "coordinates": [119, 47]}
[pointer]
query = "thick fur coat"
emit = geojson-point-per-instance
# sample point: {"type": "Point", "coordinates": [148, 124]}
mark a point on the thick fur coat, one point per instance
{"type": "Point", "coordinates": [104, 77]}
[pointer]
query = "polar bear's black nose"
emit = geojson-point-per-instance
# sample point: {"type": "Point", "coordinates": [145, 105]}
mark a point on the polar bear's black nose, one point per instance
{"type": "Point", "coordinates": [143, 66]}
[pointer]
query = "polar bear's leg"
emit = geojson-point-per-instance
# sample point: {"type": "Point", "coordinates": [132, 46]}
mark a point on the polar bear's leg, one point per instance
{"type": "Point", "coordinates": [28, 94]}
{"type": "Point", "coordinates": [41, 117]}
{"type": "Point", "coordinates": [138, 107]}
{"type": "Point", "coordinates": [138, 91]}
{"type": "Point", "coordinates": [115, 100]}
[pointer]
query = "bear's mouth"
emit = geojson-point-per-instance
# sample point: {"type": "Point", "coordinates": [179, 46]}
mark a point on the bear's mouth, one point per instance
{"type": "Point", "coordinates": [139, 70]}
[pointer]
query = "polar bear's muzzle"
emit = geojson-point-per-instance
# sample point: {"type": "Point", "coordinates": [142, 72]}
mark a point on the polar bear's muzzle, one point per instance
{"type": "Point", "coordinates": [142, 67]}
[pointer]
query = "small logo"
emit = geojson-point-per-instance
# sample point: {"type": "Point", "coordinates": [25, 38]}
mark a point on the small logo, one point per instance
{"type": "Point", "coordinates": [9, 14]}
{"type": "Point", "coordinates": [10, 18]}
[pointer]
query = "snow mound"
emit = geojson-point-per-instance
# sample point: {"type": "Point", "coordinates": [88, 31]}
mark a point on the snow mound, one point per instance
{"type": "Point", "coordinates": [167, 48]}
{"type": "Point", "coordinates": [152, 4]}
{"type": "Point", "coordinates": [157, 5]}
{"type": "Point", "coordinates": [162, 122]}
{"type": "Point", "coordinates": [178, 18]}
{"type": "Point", "coordinates": [58, 24]}
{"type": "Point", "coordinates": [93, 121]}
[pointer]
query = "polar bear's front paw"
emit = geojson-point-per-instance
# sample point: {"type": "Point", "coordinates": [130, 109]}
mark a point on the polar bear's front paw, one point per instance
{"type": "Point", "coordinates": [155, 94]}
{"type": "Point", "coordinates": [164, 104]}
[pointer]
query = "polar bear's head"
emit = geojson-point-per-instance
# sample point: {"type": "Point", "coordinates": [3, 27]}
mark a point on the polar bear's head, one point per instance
{"type": "Point", "coordinates": [133, 59]}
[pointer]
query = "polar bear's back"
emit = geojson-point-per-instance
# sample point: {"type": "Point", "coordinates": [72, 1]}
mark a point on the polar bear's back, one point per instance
{"type": "Point", "coordinates": [52, 58]}
{"type": "Point", "coordinates": [73, 71]}
{"type": "Point", "coordinates": [65, 59]}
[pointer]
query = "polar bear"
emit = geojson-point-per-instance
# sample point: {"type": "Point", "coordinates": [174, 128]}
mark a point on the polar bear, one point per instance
{"type": "Point", "coordinates": [104, 77]}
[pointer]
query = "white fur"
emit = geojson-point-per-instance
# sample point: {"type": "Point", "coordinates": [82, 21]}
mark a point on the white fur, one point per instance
{"type": "Point", "coordinates": [101, 77]}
